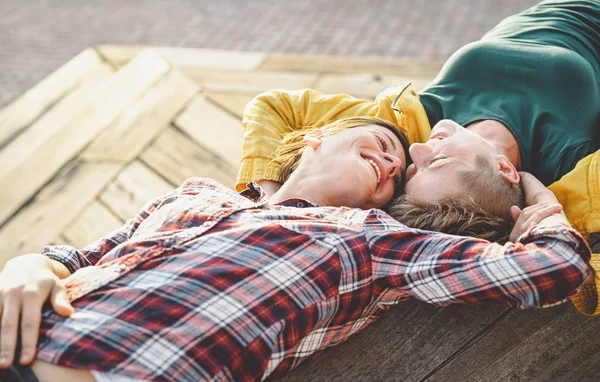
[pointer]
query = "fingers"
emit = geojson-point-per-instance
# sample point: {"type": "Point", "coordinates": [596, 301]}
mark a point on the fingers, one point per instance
{"type": "Point", "coordinates": [531, 216]}
{"type": "Point", "coordinates": [515, 212]}
{"type": "Point", "coordinates": [543, 213]}
{"type": "Point", "coordinates": [60, 301]}
{"type": "Point", "coordinates": [9, 326]}
{"type": "Point", "coordinates": [30, 324]}
{"type": "Point", "coordinates": [21, 302]}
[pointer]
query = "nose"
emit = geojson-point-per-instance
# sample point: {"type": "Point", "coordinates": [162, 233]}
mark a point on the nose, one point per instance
{"type": "Point", "coordinates": [446, 126]}
{"type": "Point", "coordinates": [392, 164]}
{"type": "Point", "coordinates": [420, 153]}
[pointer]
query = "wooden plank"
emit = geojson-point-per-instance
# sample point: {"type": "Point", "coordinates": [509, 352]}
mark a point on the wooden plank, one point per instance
{"type": "Point", "coordinates": [185, 58]}
{"type": "Point", "coordinates": [176, 157]}
{"type": "Point", "coordinates": [94, 222]}
{"type": "Point", "coordinates": [143, 121]}
{"type": "Point", "coordinates": [220, 81]}
{"type": "Point", "coordinates": [214, 128]}
{"type": "Point", "coordinates": [51, 123]}
{"type": "Point", "coordinates": [44, 218]}
{"type": "Point", "coordinates": [364, 85]}
{"type": "Point", "coordinates": [555, 344]}
{"type": "Point", "coordinates": [27, 108]}
{"type": "Point", "coordinates": [233, 103]}
{"type": "Point", "coordinates": [406, 345]}
{"type": "Point", "coordinates": [77, 128]}
{"type": "Point", "coordinates": [132, 189]}
{"type": "Point", "coordinates": [373, 65]}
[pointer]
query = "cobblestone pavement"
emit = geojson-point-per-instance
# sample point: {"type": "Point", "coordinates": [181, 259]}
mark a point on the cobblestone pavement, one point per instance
{"type": "Point", "coordinates": [38, 36]}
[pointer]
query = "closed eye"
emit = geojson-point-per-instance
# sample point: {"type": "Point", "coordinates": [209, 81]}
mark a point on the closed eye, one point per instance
{"type": "Point", "coordinates": [436, 159]}
{"type": "Point", "coordinates": [382, 142]}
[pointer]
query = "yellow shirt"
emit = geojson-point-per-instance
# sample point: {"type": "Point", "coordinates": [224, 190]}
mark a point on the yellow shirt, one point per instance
{"type": "Point", "coordinates": [271, 115]}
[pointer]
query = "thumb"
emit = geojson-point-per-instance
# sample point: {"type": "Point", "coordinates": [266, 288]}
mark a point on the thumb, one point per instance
{"type": "Point", "coordinates": [515, 212]}
{"type": "Point", "coordinates": [60, 301]}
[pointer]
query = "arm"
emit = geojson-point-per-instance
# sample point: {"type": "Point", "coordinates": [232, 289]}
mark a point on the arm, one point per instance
{"type": "Point", "coordinates": [269, 116]}
{"type": "Point", "coordinates": [28, 281]}
{"type": "Point", "coordinates": [544, 267]}
{"type": "Point", "coordinates": [546, 264]}
{"type": "Point", "coordinates": [67, 259]}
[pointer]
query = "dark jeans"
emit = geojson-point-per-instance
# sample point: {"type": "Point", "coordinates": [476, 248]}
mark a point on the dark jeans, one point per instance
{"type": "Point", "coordinates": [17, 373]}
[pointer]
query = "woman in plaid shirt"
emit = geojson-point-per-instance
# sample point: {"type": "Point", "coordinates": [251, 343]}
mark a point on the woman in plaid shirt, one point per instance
{"type": "Point", "coordinates": [209, 284]}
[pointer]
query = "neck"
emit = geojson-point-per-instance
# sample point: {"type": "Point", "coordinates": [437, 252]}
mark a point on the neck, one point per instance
{"type": "Point", "coordinates": [501, 137]}
{"type": "Point", "coordinates": [311, 187]}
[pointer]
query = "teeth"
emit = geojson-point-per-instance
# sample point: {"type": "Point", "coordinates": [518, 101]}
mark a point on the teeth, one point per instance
{"type": "Point", "coordinates": [372, 163]}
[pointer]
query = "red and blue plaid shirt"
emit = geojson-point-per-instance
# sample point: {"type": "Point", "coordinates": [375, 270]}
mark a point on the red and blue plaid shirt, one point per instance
{"type": "Point", "coordinates": [206, 283]}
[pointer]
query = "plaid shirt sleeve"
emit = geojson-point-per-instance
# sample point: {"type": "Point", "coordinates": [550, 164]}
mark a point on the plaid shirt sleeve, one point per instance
{"type": "Point", "coordinates": [75, 259]}
{"type": "Point", "coordinates": [545, 266]}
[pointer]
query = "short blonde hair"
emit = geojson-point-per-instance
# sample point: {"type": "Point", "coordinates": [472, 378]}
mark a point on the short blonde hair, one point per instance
{"type": "Point", "coordinates": [491, 191]}
{"type": "Point", "coordinates": [456, 217]}
{"type": "Point", "coordinates": [288, 155]}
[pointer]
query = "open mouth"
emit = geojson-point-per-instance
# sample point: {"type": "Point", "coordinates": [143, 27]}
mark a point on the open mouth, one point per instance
{"type": "Point", "coordinates": [376, 168]}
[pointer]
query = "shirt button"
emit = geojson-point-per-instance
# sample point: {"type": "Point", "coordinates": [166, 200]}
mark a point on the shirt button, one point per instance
{"type": "Point", "coordinates": [207, 224]}
{"type": "Point", "coordinates": [300, 204]}
{"type": "Point", "coordinates": [122, 267]}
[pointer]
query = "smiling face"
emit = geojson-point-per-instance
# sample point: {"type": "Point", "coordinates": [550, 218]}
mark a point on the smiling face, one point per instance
{"type": "Point", "coordinates": [440, 165]}
{"type": "Point", "coordinates": [364, 166]}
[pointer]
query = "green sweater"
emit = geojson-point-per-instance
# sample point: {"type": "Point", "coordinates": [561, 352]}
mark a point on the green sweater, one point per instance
{"type": "Point", "coordinates": [538, 73]}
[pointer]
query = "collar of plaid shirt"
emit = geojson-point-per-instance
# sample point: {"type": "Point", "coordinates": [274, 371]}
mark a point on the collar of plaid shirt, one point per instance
{"type": "Point", "coordinates": [205, 283]}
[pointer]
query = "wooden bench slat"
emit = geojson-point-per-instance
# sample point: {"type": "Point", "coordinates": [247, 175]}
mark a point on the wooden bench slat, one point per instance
{"type": "Point", "coordinates": [78, 128]}
{"type": "Point", "coordinates": [27, 108]}
{"type": "Point", "coordinates": [213, 128]}
{"type": "Point", "coordinates": [143, 120]}
{"type": "Point", "coordinates": [176, 157]}
{"type": "Point", "coordinates": [372, 65]}
{"type": "Point", "coordinates": [365, 85]}
{"type": "Point", "coordinates": [233, 103]}
{"type": "Point", "coordinates": [556, 344]}
{"type": "Point", "coordinates": [95, 221]}
{"type": "Point", "coordinates": [184, 58]}
{"type": "Point", "coordinates": [36, 137]}
{"type": "Point", "coordinates": [45, 217]}
{"type": "Point", "coordinates": [252, 83]}
{"type": "Point", "coordinates": [409, 343]}
{"type": "Point", "coordinates": [132, 189]}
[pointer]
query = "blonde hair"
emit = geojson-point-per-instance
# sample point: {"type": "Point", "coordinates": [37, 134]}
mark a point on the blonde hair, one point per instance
{"type": "Point", "coordinates": [456, 217]}
{"type": "Point", "coordinates": [491, 191]}
{"type": "Point", "coordinates": [289, 153]}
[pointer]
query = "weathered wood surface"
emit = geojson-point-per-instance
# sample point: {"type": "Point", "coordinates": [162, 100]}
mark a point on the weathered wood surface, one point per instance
{"type": "Point", "coordinates": [87, 147]}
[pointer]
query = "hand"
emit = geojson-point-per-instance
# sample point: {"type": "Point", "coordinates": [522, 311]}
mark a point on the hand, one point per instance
{"type": "Point", "coordinates": [542, 207]}
{"type": "Point", "coordinates": [530, 216]}
{"type": "Point", "coordinates": [26, 282]}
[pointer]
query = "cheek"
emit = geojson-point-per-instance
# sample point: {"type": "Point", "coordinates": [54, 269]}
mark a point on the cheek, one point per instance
{"type": "Point", "coordinates": [417, 187]}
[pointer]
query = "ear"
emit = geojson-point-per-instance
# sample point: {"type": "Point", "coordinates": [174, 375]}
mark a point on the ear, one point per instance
{"type": "Point", "coordinates": [509, 172]}
{"type": "Point", "coordinates": [314, 138]}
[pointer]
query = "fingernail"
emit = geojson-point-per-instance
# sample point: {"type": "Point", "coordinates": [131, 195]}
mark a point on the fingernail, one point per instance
{"type": "Point", "coordinates": [25, 357]}
{"type": "Point", "coordinates": [3, 360]}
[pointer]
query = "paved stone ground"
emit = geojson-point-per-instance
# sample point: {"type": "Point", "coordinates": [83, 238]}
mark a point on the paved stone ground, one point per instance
{"type": "Point", "coordinates": [38, 36]}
